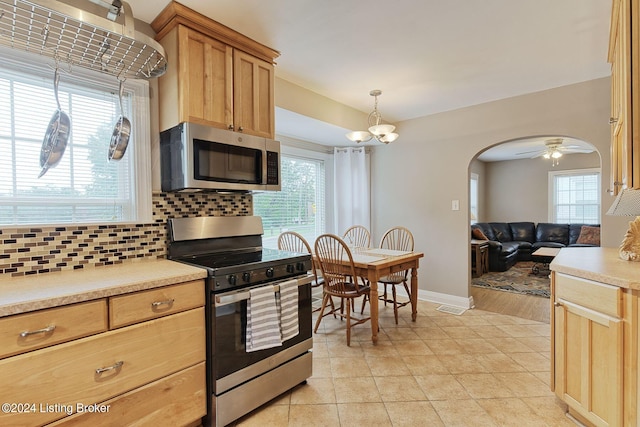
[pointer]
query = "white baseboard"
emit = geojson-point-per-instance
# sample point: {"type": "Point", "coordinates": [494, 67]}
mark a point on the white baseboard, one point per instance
{"type": "Point", "coordinates": [464, 302]}
{"type": "Point", "coordinates": [439, 298]}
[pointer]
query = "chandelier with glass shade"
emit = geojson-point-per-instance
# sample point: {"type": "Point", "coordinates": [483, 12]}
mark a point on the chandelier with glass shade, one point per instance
{"type": "Point", "coordinates": [381, 132]}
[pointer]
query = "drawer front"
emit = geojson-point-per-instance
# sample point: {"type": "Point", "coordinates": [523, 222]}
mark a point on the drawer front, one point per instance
{"type": "Point", "coordinates": [183, 400]}
{"type": "Point", "coordinates": [100, 367]}
{"type": "Point", "coordinates": [145, 305]}
{"type": "Point", "coordinates": [597, 296]}
{"type": "Point", "coordinates": [30, 331]}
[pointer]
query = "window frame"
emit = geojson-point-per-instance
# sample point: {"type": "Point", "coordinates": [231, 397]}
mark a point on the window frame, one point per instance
{"type": "Point", "coordinates": [474, 194]}
{"type": "Point", "coordinates": [571, 172]}
{"type": "Point", "coordinates": [310, 151]}
{"type": "Point", "coordinates": [139, 149]}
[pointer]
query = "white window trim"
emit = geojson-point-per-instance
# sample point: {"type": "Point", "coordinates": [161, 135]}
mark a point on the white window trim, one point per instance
{"type": "Point", "coordinates": [474, 177]}
{"type": "Point", "coordinates": [551, 193]}
{"type": "Point", "coordinates": [140, 119]}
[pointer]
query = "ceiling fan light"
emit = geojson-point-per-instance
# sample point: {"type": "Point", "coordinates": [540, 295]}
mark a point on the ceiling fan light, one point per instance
{"type": "Point", "coordinates": [546, 155]}
{"type": "Point", "coordinates": [556, 154]}
{"type": "Point", "coordinates": [359, 136]}
{"type": "Point", "coordinates": [390, 137]}
{"type": "Point", "coordinates": [381, 130]}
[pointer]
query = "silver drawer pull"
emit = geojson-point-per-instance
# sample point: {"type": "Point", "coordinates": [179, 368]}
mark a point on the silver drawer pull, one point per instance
{"type": "Point", "coordinates": [116, 365]}
{"type": "Point", "coordinates": [165, 302]}
{"type": "Point", "coordinates": [46, 330]}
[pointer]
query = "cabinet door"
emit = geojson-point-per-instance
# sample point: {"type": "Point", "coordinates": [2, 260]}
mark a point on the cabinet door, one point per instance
{"type": "Point", "coordinates": [253, 95]}
{"type": "Point", "coordinates": [206, 79]}
{"type": "Point", "coordinates": [621, 96]}
{"type": "Point", "coordinates": [93, 369]}
{"type": "Point", "coordinates": [589, 362]}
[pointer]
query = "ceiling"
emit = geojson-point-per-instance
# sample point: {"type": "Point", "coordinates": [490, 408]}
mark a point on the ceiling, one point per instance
{"type": "Point", "coordinates": [427, 56]}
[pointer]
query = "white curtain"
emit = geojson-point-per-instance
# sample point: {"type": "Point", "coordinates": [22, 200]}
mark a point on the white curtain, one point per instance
{"type": "Point", "coordinates": [351, 188]}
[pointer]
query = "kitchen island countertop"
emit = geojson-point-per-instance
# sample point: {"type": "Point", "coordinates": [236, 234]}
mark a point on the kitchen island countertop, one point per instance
{"type": "Point", "coordinates": [598, 264]}
{"type": "Point", "coordinates": [34, 292]}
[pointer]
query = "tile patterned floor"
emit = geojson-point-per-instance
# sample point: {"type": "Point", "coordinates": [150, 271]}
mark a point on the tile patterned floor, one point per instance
{"type": "Point", "coordinates": [477, 369]}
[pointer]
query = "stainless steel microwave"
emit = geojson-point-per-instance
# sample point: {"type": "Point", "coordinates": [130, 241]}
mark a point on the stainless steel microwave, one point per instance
{"type": "Point", "coordinates": [194, 157]}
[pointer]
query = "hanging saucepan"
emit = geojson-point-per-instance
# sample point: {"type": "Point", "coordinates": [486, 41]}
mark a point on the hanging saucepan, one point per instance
{"type": "Point", "coordinates": [121, 131]}
{"type": "Point", "coordinates": [55, 140]}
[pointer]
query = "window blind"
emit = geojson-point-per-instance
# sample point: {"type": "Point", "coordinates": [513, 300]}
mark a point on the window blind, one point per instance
{"type": "Point", "coordinates": [576, 197]}
{"type": "Point", "coordinates": [300, 206]}
{"type": "Point", "coordinates": [84, 186]}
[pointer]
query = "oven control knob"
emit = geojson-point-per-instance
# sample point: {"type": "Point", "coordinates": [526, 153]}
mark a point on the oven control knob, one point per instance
{"type": "Point", "coordinates": [290, 268]}
{"type": "Point", "coordinates": [300, 266]}
{"type": "Point", "coordinates": [232, 279]}
{"type": "Point", "coordinates": [246, 276]}
{"type": "Point", "coordinates": [270, 272]}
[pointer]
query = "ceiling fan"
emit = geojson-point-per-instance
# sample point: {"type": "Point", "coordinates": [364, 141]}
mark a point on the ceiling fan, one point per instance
{"type": "Point", "coordinates": [554, 149]}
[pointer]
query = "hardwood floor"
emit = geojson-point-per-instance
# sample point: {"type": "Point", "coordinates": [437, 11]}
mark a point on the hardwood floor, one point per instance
{"type": "Point", "coordinates": [524, 306]}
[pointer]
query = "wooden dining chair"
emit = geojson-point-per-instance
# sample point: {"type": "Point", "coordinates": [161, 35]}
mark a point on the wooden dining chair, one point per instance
{"type": "Point", "coordinates": [357, 236]}
{"type": "Point", "coordinates": [294, 242]}
{"type": "Point", "coordinates": [401, 239]}
{"type": "Point", "coordinates": [340, 280]}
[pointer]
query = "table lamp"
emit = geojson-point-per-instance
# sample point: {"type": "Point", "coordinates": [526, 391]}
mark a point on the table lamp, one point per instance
{"type": "Point", "coordinates": [628, 204]}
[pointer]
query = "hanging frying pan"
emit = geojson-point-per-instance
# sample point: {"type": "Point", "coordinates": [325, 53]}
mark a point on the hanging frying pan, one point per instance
{"type": "Point", "coordinates": [57, 135]}
{"type": "Point", "coordinates": [121, 131]}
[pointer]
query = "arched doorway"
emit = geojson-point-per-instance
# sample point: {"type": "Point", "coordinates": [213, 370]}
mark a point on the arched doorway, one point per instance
{"type": "Point", "coordinates": [514, 182]}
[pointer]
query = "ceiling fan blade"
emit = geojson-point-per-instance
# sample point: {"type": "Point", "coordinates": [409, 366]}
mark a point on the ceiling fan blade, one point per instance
{"type": "Point", "coordinates": [529, 152]}
{"type": "Point", "coordinates": [540, 154]}
{"type": "Point", "coordinates": [575, 149]}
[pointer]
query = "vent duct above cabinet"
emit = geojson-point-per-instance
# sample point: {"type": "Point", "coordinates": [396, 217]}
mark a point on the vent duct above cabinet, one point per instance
{"type": "Point", "coordinates": [74, 36]}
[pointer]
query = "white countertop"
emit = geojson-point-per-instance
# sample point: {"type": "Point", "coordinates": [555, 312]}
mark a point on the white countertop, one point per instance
{"type": "Point", "coordinates": [599, 264]}
{"type": "Point", "coordinates": [28, 293]}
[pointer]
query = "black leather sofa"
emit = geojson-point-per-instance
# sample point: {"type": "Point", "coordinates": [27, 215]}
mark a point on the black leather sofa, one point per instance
{"type": "Point", "coordinates": [516, 241]}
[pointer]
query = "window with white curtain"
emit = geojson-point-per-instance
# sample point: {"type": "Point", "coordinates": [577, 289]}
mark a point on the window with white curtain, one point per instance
{"type": "Point", "coordinates": [300, 206]}
{"type": "Point", "coordinates": [575, 196]}
{"type": "Point", "coordinates": [85, 187]}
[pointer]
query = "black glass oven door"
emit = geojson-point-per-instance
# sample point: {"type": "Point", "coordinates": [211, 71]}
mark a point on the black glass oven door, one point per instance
{"type": "Point", "coordinates": [229, 329]}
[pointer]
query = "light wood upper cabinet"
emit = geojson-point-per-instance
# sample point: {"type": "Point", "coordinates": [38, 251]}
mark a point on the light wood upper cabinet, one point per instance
{"type": "Point", "coordinates": [215, 76]}
{"type": "Point", "coordinates": [625, 102]}
{"type": "Point", "coordinates": [253, 95]}
{"type": "Point", "coordinates": [204, 80]}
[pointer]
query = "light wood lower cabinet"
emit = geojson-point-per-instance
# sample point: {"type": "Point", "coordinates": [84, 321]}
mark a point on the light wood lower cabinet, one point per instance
{"type": "Point", "coordinates": [594, 350]}
{"type": "Point", "coordinates": [147, 373]}
{"type": "Point", "coordinates": [166, 402]}
{"type": "Point", "coordinates": [43, 328]}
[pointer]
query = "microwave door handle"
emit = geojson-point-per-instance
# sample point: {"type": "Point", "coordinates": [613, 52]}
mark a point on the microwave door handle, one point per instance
{"type": "Point", "coordinates": [234, 297]}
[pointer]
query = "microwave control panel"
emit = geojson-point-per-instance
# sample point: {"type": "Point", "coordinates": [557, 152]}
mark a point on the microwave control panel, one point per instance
{"type": "Point", "coordinates": [273, 171]}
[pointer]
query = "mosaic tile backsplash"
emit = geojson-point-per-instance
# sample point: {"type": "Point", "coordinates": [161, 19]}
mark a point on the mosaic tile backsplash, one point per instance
{"type": "Point", "coordinates": [37, 250]}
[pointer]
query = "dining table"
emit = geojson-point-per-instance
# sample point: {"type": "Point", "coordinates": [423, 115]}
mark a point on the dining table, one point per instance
{"type": "Point", "coordinates": [373, 263]}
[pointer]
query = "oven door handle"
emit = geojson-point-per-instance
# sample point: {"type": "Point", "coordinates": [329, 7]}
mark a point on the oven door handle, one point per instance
{"type": "Point", "coordinates": [237, 296]}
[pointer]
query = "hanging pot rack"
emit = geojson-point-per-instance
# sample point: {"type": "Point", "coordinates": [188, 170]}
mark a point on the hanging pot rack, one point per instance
{"type": "Point", "coordinates": [79, 38]}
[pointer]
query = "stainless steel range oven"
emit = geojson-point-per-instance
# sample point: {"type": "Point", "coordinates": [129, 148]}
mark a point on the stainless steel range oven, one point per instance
{"type": "Point", "coordinates": [230, 249]}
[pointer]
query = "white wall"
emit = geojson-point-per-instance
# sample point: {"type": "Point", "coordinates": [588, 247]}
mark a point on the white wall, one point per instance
{"type": "Point", "coordinates": [516, 190]}
{"type": "Point", "coordinates": [416, 177]}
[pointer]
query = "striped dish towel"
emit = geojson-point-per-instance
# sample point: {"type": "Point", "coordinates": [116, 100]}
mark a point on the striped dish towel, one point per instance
{"type": "Point", "coordinates": [263, 322]}
{"type": "Point", "coordinates": [288, 304]}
